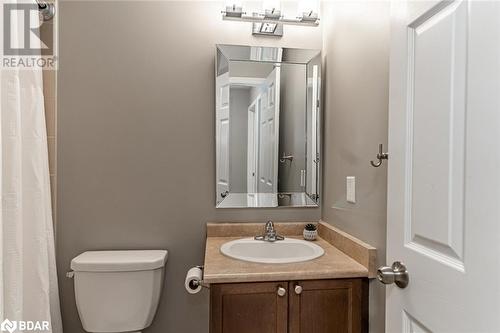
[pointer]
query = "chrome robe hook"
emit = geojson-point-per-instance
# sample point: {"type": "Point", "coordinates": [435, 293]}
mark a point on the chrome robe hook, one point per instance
{"type": "Point", "coordinates": [47, 9]}
{"type": "Point", "coordinates": [380, 156]}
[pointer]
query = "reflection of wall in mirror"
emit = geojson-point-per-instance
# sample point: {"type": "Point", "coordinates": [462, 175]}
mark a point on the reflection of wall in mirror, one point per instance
{"type": "Point", "coordinates": [292, 133]}
{"type": "Point", "coordinates": [239, 102]}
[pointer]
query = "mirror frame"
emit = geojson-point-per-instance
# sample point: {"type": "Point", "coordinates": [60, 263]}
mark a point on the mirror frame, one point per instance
{"type": "Point", "coordinates": [226, 53]}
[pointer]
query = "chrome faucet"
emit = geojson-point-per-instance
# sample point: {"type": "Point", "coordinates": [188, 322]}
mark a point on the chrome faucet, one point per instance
{"type": "Point", "coordinates": [270, 234]}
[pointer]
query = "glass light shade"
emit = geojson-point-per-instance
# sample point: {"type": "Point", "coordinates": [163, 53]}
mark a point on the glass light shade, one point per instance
{"type": "Point", "coordinates": [271, 4]}
{"type": "Point", "coordinates": [272, 9]}
{"type": "Point", "coordinates": [307, 8]}
{"type": "Point", "coordinates": [235, 3]}
{"type": "Point", "coordinates": [233, 7]}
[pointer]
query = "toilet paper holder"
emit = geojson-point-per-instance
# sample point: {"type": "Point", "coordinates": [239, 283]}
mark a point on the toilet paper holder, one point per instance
{"type": "Point", "coordinates": [194, 284]}
{"type": "Point", "coordinates": [200, 282]}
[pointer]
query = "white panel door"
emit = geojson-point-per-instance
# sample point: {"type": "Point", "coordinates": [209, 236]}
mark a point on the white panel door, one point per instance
{"type": "Point", "coordinates": [312, 143]}
{"type": "Point", "coordinates": [269, 134]}
{"type": "Point", "coordinates": [222, 135]}
{"type": "Point", "coordinates": [444, 166]}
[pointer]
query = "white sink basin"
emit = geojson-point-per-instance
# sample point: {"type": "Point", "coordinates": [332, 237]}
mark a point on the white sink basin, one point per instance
{"type": "Point", "coordinates": [280, 252]}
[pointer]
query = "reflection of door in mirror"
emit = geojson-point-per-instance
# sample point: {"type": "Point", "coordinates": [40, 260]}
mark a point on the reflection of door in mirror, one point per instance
{"type": "Point", "coordinates": [292, 129]}
{"type": "Point", "coordinates": [269, 134]}
{"type": "Point", "coordinates": [222, 137]}
{"type": "Point", "coordinates": [312, 149]}
{"type": "Point", "coordinates": [253, 136]}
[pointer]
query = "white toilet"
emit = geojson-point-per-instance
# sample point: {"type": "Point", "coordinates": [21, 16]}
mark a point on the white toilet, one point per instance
{"type": "Point", "coordinates": [118, 291]}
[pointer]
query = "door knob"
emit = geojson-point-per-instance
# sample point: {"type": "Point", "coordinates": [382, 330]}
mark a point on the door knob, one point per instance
{"type": "Point", "coordinates": [397, 274]}
{"type": "Point", "coordinates": [298, 289]}
{"type": "Point", "coordinates": [281, 291]}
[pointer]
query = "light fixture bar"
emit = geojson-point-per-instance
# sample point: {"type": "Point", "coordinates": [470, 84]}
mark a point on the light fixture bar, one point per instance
{"type": "Point", "coordinates": [263, 19]}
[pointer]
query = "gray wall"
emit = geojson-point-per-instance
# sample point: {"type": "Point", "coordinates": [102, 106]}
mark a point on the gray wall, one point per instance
{"type": "Point", "coordinates": [356, 57]}
{"type": "Point", "coordinates": [136, 139]}
{"type": "Point", "coordinates": [293, 88]}
{"type": "Point", "coordinates": [239, 101]}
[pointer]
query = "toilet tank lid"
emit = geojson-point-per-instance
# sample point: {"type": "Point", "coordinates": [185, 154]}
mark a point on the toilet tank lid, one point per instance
{"type": "Point", "coordinates": [119, 261]}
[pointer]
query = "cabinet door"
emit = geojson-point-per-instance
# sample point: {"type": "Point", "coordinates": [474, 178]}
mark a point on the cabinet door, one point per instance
{"type": "Point", "coordinates": [329, 306]}
{"type": "Point", "coordinates": [249, 308]}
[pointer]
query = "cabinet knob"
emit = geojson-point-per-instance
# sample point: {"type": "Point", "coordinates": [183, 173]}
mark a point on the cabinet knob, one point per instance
{"type": "Point", "coordinates": [298, 289]}
{"type": "Point", "coordinates": [281, 291]}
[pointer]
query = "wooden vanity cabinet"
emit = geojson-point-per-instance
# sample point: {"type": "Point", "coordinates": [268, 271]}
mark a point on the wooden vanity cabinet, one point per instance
{"type": "Point", "coordinates": [328, 306]}
{"type": "Point", "coordinates": [311, 306]}
{"type": "Point", "coordinates": [248, 308]}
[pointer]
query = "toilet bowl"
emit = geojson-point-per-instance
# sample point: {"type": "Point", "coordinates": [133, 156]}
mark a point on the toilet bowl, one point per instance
{"type": "Point", "coordinates": [118, 291]}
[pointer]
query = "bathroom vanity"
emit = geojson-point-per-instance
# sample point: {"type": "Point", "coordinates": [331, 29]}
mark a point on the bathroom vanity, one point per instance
{"type": "Point", "coordinates": [327, 294]}
{"type": "Point", "coordinates": [267, 135]}
{"type": "Point", "coordinates": [320, 306]}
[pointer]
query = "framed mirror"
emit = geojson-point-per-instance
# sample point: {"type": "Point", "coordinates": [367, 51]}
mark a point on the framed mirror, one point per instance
{"type": "Point", "coordinates": [267, 127]}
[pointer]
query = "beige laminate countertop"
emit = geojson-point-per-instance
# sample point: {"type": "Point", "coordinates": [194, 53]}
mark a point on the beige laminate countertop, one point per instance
{"type": "Point", "coordinates": [333, 264]}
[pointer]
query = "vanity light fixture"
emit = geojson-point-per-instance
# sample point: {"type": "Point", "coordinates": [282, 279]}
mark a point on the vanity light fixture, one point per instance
{"type": "Point", "coordinates": [234, 9]}
{"type": "Point", "coordinates": [270, 22]}
{"type": "Point", "coordinates": [272, 9]}
{"type": "Point", "coordinates": [310, 16]}
{"type": "Point", "coordinates": [307, 10]}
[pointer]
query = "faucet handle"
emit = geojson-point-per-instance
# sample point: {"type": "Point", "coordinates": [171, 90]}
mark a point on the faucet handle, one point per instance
{"type": "Point", "coordinates": [269, 226]}
{"type": "Point", "coordinates": [270, 234]}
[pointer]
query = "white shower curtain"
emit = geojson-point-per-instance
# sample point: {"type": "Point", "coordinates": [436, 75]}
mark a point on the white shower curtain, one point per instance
{"type": "Point", "coordinates": [28, 280]}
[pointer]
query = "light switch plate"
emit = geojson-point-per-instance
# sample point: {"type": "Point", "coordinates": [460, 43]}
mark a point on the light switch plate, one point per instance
{"type": "Point", "coordinates": [302, 178]}
{"type": "Point", "coordinates": [351, 189]}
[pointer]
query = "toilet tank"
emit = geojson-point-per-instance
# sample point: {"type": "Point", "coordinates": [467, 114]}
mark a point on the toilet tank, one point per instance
{"type": "Point", "coordinates": [118, 291]}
